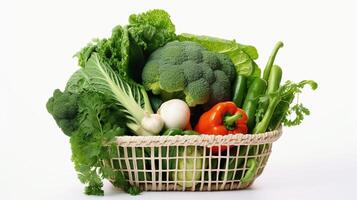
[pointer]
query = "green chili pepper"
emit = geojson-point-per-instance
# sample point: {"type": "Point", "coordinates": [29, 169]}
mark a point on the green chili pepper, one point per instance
{"type": "Point", "coordinates": [239, 90]}
{"type": "Point", "coordinates": [268, 66]}
{"type": "Point", "coordinates": [268, 107]}
{"type": "Point", "coordinates": [273, 84]}
{"type": "Point", "coordinates": [232, 163]}
{"type": "Point", "coordinates": [279, 114]}
{"type": "Point", "coordinates": [273, 75]}
{"type": "Point", "coordinates": [262, 126]}
{"type": "Point", "coordinates": [172, 151]}
{"type": "Point", "coordinates": [214, 166]}
{"type": "Point", "coordinates": [252, 166]}
{"type": "Point", "coordinates": [256, 89]}
{"type": "Point", "coordinates": [274, 79]}
{"type": "Point", "coordinates": [155, 102]}
{"type": "Point", "coordinates": [189, 132]}
{"type": "Point", "coordinates": [172, 132]}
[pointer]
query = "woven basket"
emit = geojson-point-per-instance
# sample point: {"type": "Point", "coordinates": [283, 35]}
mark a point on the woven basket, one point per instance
{"type": "Point", "coordinates": [160, 163]}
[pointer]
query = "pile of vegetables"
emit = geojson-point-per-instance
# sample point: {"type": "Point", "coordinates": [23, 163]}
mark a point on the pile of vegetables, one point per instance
{"type": "Point", "coordinates": [148, 80]}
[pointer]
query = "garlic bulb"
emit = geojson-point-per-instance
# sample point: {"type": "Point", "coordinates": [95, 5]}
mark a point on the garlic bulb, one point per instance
{"type": "Point", "coordinates": [152, 123]}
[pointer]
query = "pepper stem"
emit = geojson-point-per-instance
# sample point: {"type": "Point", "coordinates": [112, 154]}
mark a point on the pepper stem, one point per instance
{"type": "Point", "coordinates": [230, 121]}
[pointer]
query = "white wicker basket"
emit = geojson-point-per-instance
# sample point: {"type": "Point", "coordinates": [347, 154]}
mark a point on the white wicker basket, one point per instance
{"type": "Point", "coordinates": [145, 161]}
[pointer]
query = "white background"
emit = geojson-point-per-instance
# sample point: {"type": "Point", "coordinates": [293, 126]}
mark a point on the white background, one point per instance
{"type": "Point", "coordinates": [316, 160]}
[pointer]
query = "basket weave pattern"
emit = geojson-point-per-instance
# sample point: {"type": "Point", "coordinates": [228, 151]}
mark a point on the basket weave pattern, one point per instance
{"type": "Point", "coordinates": [161, 163]}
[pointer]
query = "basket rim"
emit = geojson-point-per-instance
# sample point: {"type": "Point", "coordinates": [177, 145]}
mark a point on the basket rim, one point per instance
{"type": "Point", "coordinates": [199, 140]}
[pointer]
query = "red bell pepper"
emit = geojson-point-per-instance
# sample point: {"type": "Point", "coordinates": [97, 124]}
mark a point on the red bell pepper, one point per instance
{"type": "Point", "coordinates": [222, 119]}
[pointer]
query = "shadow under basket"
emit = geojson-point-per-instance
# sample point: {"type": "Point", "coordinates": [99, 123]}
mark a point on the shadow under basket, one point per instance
{"type": "Point", "coordinates": [191, 162]}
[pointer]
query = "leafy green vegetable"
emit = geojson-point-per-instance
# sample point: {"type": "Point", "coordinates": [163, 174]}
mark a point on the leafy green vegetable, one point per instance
{"type": "Point", "coordinates": [78, 83]}
{"type": "Point", "coordinates": [152, 29]}
{"type": "Point", "coordinates": [284, 109]}
{"type": "Point", "coordinates": [242, 56]}
{"type": "Point", "coordinates": [131, 97]}
{"type": "Point", "coordinates": [119, 180]}
{"type": "Point", "coordinates": [262, 125]}
{"type": "Point", "coordinates": [300, 111]}
{"type": "Point", "coordinates": [94, 120]}
{"type": "Point", "coordinates": [279, 108]}
{"type": "Point", "coordinates": [187, 71]}
{"type": "Point", "coordinates": [64, 109]}
{"type": "Point", "coordinates": [124, 50]}
{"type": "Point", "coordinates": [119, 51]}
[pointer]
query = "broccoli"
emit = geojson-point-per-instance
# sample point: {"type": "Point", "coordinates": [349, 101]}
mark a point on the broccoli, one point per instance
{"type": "Point", "coordinates": [91, 120]}
{"type": "Point", "coordinates": [71, 112]}
{"type": "Point", "coordinates": [63, 107]}
{"type": "Point", "coordinates": [188, 71]}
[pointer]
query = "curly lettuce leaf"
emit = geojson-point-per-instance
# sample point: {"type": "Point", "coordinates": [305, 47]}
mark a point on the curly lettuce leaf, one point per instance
{"type": "Point", "coordinates": [152, 29]}
{"type": "Point", "coordinates": [242, 56]}
{"type": "Point", "coordinates": [119, 51]}
{"type": "Point", "coordinates": [113, 49]}
{"type": "Point", "coordinates": [124, 50]}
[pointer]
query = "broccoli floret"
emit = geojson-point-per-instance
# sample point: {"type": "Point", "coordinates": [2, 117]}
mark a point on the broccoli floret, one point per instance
{"type": "Point", "coordinates": [207, 73]}
{"type": "Point", "coordinates": [211, 59]}
{"type": "Point", "coordinates": [191, 71]}
{"type": "Point", "coordinates": [197, 92]}
{"type": "Point", "coordinates": [227, 66]}
{"type": "Point", "coordinates": [78, 111]}
{"type": "Point", "coordinates": [166, 77]}
{"type": "Point", "coordinates": [151, 71]}
{"type": "Point", "coordinates": [187, 71]}
{"type": "Point", "coordinates": [64, 109]}
{"type": "Point", "coordinates": [219, 87]}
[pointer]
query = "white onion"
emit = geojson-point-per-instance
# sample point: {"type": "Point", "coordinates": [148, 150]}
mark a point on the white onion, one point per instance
{"type": "Point", "coordinates": [175, 113]}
